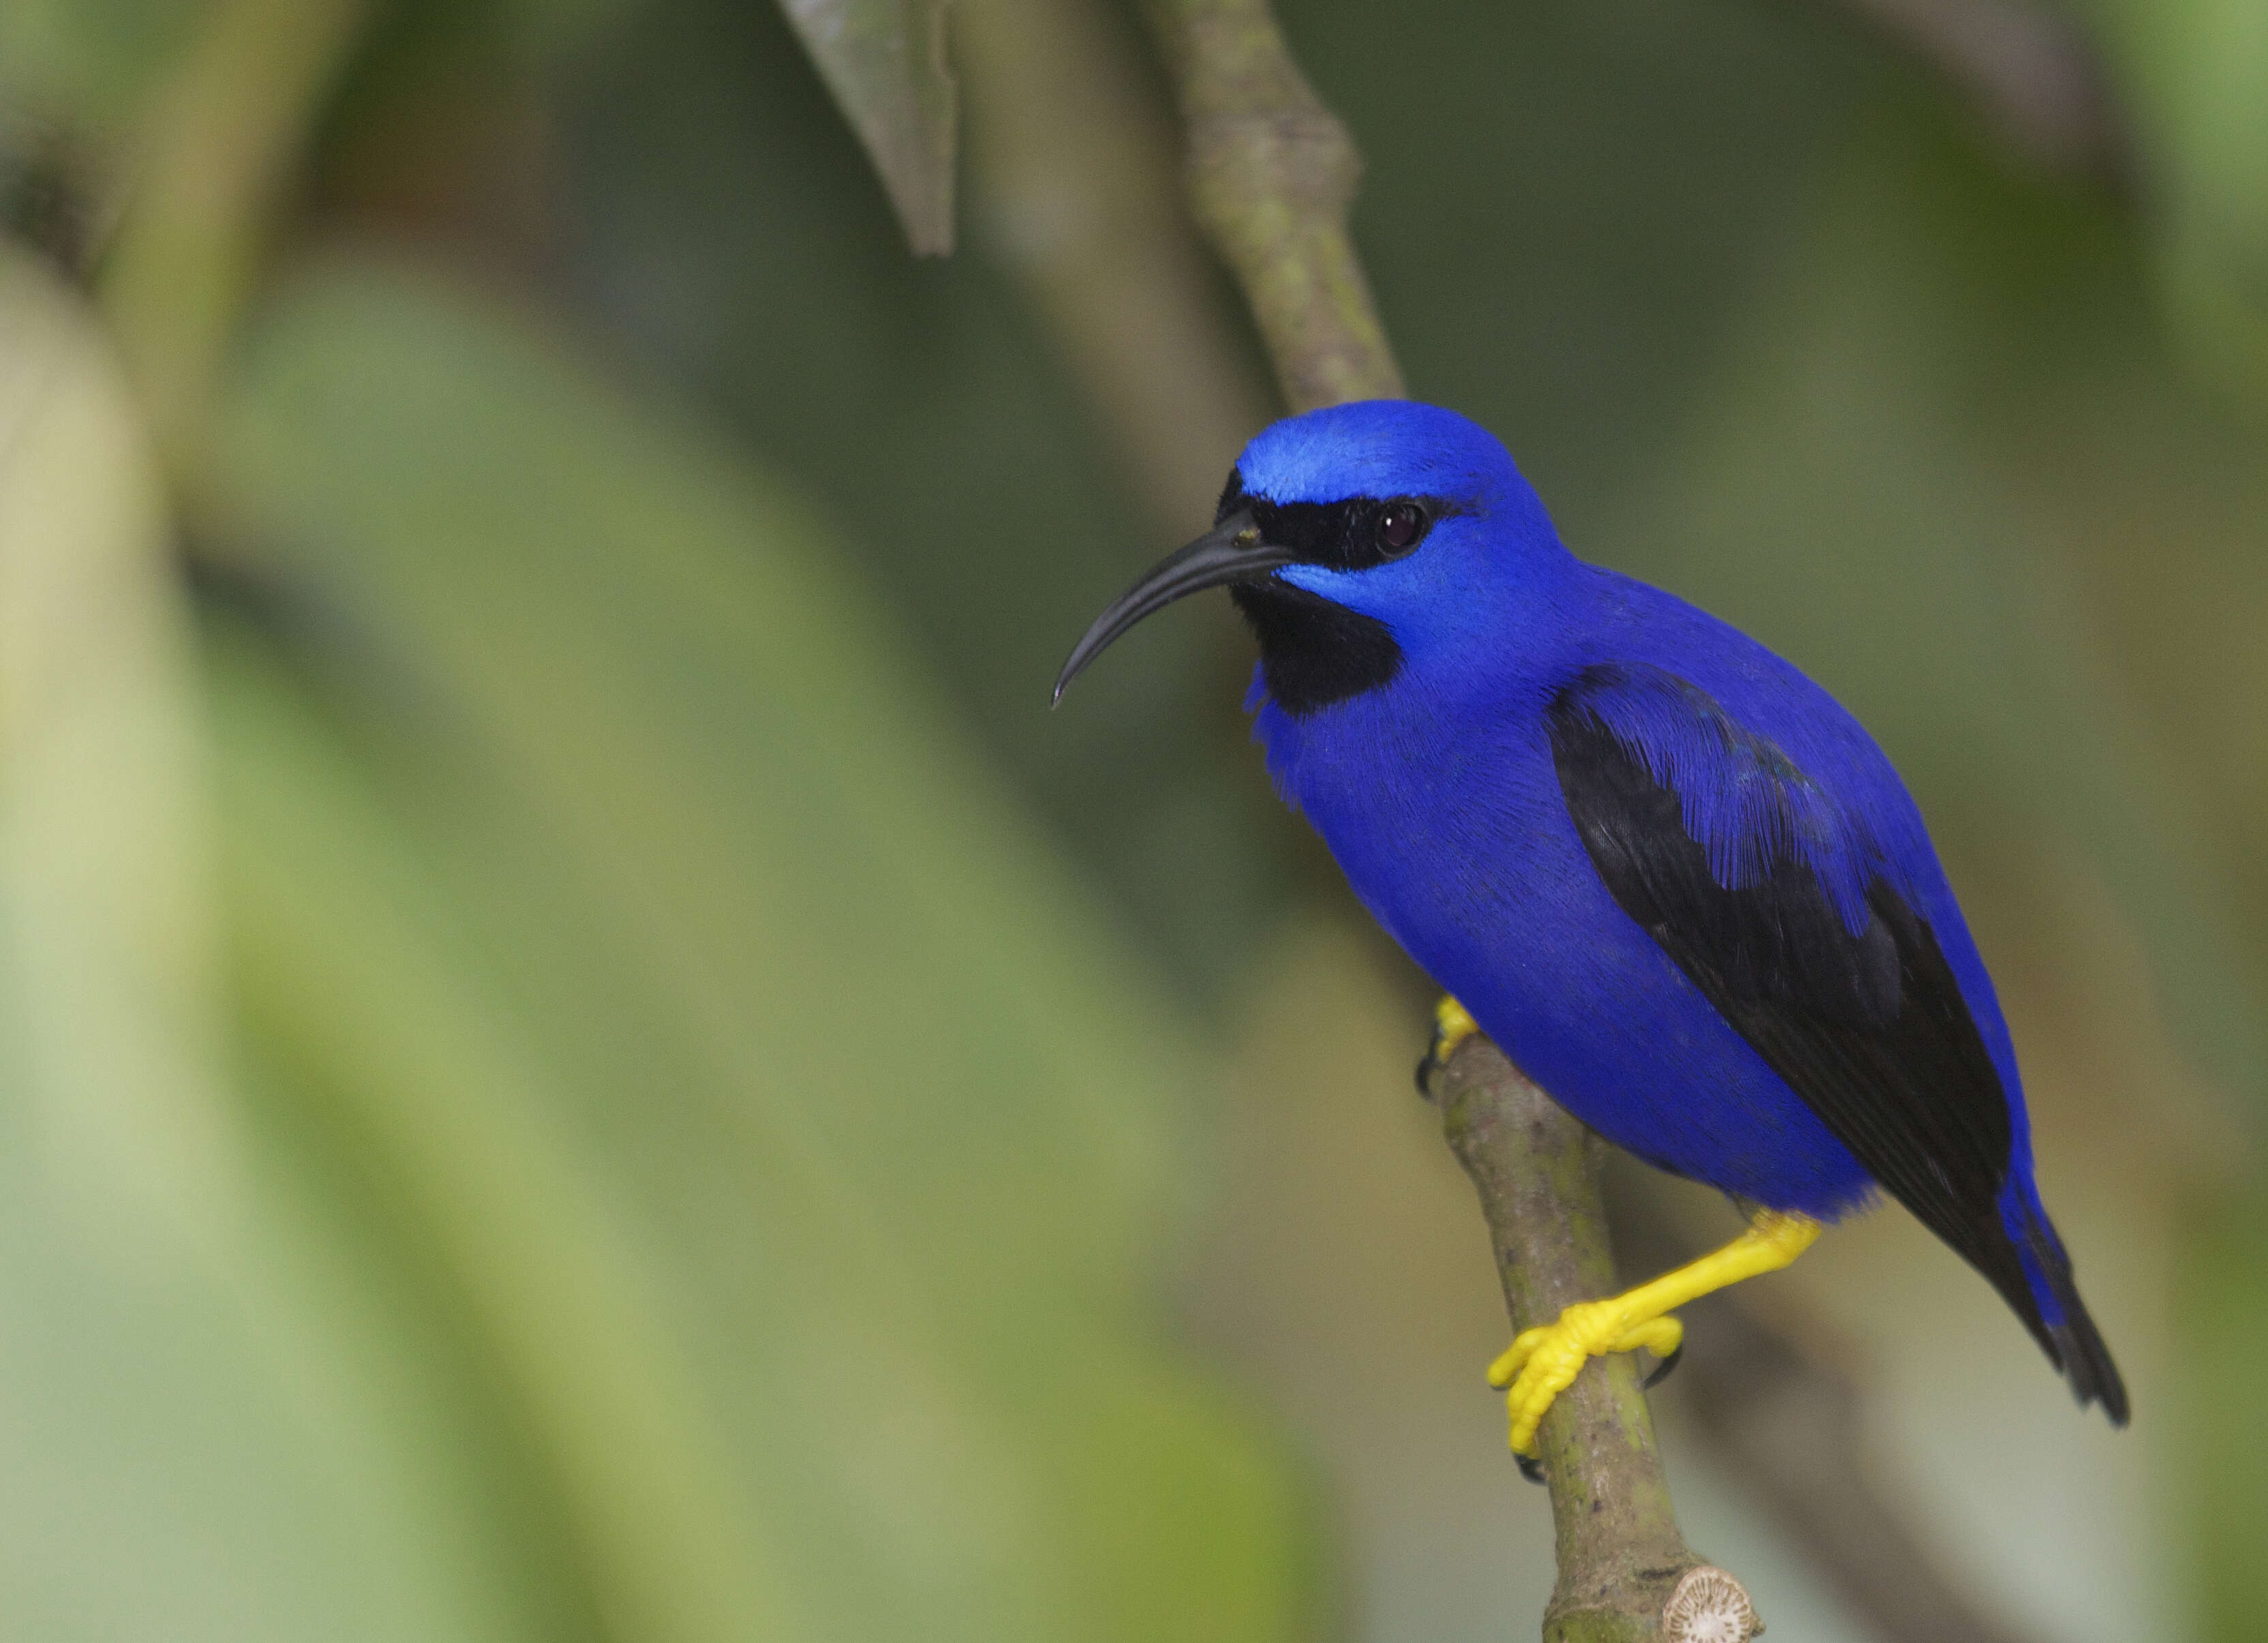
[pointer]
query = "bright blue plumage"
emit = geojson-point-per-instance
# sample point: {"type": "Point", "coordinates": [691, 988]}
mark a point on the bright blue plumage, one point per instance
{"type": "Point", "coordinates": [1668, 873]}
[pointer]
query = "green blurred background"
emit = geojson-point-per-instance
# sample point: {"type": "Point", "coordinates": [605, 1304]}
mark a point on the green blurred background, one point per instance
{"type": "Point", "coordinates": [581, 1058]}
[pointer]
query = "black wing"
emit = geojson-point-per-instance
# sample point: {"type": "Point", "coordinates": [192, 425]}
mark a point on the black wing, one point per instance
{"type": "Point", "coordinates": [1871, 1030]}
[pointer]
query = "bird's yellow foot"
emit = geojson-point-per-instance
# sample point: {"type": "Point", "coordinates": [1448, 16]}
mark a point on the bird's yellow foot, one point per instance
{"type": "Point", "coordinates": [1544, 1362]}
{"type": "Point", "coordinates": [1452, 1026]}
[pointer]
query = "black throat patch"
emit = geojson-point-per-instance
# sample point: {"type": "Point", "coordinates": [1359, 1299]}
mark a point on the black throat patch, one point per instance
{"type": "Point", "coordinates": [1312, 651]}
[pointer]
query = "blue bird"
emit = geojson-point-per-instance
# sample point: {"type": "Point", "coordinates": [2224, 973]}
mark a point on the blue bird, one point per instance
{"type": "Point", "coordinates": [1671, 876]}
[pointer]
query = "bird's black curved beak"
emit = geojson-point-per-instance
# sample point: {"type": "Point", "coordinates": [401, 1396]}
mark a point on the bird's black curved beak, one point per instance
{"type": "Point", "coordinates": [1231, 551]}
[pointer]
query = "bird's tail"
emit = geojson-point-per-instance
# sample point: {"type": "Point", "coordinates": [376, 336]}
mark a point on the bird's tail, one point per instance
{"type": "Point", "coordinates": [2058, 1317]}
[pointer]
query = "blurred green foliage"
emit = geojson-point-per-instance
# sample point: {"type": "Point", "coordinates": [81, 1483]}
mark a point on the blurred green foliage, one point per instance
{"type": "Point", "coordinates": [881, 1115]}
{"type": "Point", "coordinates": [94, 63]}
{"type": "Point", "coordinates": [578, 1056]}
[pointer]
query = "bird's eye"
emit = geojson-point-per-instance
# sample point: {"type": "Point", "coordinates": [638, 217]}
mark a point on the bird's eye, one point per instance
{"type": "Point", "coordinates": [1400, 526]}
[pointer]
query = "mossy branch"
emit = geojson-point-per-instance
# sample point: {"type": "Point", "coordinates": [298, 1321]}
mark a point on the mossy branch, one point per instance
{"type": "Point", "coordinates": [1271, 174]}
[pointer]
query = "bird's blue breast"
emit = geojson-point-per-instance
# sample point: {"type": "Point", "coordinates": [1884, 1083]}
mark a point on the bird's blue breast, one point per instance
{"type": "Point", "coordinates": [1438, 796]}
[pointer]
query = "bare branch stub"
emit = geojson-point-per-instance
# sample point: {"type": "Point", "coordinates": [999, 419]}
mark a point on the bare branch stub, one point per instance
{"type": "Point", "coordinates": [1271, 174]}
{"type": "Point", "coordinates": [1787, 1422]}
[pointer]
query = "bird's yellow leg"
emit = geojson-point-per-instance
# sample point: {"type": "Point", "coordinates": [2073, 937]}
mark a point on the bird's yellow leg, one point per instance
{"type": "Point", "coordinates": [1543, 1361]}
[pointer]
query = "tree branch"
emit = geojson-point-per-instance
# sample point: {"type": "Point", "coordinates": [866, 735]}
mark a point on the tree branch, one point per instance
{"type": "Point", "coordinates": [1271, 173]}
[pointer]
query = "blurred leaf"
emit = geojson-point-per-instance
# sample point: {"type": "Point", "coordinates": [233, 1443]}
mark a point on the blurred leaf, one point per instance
{"type": "Point", "coordinates": [2195, 73]}
{"type": "Point", "coordinates": [88, 60]}
{"type": "Point", "coordinates": [222, 148]}
{"type": "Point", "coordinates": [352, 992]}
{"type": "Point", "coordinates": [2224, 1437]}
{"type": "Point", "coordinates": [198, 1439]}
{"type": "Point", "coordinates": [107, 897]}
{"type": "Point", "coordinates": [884, 60]}
{"type": "Point", "coordinates": [694, 896]}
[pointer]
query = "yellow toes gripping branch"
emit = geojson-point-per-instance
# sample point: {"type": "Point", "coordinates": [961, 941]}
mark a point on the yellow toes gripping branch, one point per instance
{"type": "Point", "coordinates": [1543, 1361]}
{"type": "Point", "coordinates": [1452, 1026]}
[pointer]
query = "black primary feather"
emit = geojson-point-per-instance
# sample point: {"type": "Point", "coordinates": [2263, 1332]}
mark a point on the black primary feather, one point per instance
{"type": "Point", "coordinates": [1869, 1029]}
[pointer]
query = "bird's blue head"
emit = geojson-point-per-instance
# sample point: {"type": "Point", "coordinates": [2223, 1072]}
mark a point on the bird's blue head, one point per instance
{"type": "Point", "coordinates": [1360, 540]}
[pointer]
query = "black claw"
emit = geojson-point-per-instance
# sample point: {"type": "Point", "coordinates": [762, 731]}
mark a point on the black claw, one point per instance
{"type": "Point", "coordinates": [1661, 1370]}
{"type": "Point", "coordinates": [1431, 1062]}
{"type": "Point", "coordinates": [1530, 1467]}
